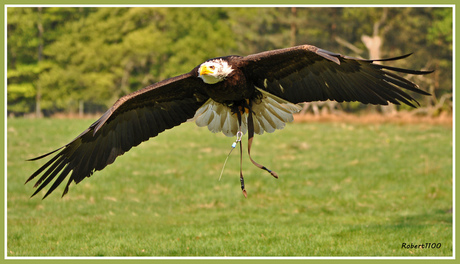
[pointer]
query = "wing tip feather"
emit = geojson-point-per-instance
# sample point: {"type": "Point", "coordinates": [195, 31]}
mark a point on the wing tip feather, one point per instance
{"type": "Point", "coordinates": [44, 155]}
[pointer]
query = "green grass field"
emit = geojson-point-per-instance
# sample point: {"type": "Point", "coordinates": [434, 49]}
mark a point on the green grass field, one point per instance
{"type": "Point", "coordinates": [344, 190]}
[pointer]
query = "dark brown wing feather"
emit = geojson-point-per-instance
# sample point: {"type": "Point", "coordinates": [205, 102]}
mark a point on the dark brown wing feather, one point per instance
{"type": "Point", "coordinates": [133, 119]}
{"type": "Point", "coordinates": [307, 73]}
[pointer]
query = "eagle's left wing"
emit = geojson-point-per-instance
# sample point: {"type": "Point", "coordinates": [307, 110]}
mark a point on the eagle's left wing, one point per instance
{"type": "Point", "coordinates": [307, 73]}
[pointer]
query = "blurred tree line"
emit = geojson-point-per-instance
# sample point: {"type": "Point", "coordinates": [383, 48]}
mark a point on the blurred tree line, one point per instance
{"type": "Point", "coordinates": [70, 59]}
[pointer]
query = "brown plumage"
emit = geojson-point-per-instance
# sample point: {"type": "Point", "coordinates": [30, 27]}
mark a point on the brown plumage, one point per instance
{"type": "Point", "coordinates": [272, 79]}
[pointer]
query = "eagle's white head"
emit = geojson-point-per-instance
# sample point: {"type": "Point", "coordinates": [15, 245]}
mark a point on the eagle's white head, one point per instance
{"type": "Point", "coordinates": [214, 71]}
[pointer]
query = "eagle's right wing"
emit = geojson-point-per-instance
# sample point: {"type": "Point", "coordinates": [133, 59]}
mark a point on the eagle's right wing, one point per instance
{"type": "Point", "coordinates": [133, 119]}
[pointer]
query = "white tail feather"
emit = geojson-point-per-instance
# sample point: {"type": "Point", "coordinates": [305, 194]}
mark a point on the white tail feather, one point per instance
{"type": "Point", "coordinates": [270, 114]}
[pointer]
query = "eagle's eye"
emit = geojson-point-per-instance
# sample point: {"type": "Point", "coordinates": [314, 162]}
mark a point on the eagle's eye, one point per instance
{"type": "Point", "coordinates": [212, 67]}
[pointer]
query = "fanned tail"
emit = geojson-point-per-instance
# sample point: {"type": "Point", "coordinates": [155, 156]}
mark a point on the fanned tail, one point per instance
{"type": "Point", "coordinates": [270, 113]}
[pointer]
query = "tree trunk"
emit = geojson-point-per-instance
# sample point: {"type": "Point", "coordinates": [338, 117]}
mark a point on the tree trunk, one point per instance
{"type": "Point", "coordinates": [374, 44]}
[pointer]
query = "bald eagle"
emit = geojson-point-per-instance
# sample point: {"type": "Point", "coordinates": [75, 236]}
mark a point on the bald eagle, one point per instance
{"type": "Point", "coordinates": [233, 95]}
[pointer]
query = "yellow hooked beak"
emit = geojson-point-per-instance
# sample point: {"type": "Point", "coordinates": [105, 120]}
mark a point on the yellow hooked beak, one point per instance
{"type": "Point", "coordinates": [205, 70]}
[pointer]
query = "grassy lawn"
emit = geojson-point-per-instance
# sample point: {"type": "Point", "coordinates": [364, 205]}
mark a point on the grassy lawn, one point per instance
{"type": "Point", "coordinates": [344, 190]}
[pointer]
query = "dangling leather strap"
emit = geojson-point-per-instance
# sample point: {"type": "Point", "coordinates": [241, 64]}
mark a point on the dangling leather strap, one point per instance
{"type": "Point", "coordinates": [241, 172]}
{"type": "Point", "coordinates": [250, 138]}
{"type": "Point", "coordinates": [250, 123]}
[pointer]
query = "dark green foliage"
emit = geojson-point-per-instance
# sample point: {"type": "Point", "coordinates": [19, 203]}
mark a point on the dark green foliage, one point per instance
{"type": "Point", "coordinates": [96, 55]}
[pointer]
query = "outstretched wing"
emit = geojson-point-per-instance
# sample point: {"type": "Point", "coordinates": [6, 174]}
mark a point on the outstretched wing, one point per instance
{"type": "Point", "coordinates": [133, 119]}
{"type": "Point", "coordinates": [307, 73]}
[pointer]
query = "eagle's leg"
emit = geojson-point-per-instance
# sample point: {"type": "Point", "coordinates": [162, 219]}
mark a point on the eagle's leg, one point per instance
{"type": "Point", "coordinates": [239, 135]}
{"type": "Point", "coordinates": [250, 138]}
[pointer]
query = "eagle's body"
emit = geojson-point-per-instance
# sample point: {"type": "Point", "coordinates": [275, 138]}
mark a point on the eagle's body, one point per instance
{"type": "Point", "coordinates": [231, 94]}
